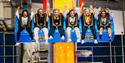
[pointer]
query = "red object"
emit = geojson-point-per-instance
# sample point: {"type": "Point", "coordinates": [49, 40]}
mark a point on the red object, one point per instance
{"type": "Point", "coordinates": [44, 4]}
{"type": "Point", "coordinates": [81, 2]}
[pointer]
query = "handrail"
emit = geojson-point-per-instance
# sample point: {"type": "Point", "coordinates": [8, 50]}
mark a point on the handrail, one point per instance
{"type": "Point", "coordinates": [93, 56]}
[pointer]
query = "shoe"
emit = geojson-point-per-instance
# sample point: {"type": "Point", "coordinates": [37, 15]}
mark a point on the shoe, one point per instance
{"type": "Point", "coordinates": [37, 41]}
{"type": "Point", "coordinates": [95, 42]}
{"type": "Point", "coordinates": [83, 42]}
{"type": "Point", "coordinates": [69, 40]}
{"type": "Point", "coordinates": [50, 37]}
{"type": "Point", "coordinates": [62, 37]}
{"type": "Point", "coordinates": [78, 40]}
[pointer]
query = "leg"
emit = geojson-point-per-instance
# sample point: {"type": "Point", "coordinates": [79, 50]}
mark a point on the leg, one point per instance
{"type": "Point", "coordinates": [30, 33]}
{"type": "Point", "coordinates": [61, 31]}
{"type": "Point", "coordinates": [68, 33]}
{"type": "Point", "coordinates": [110, 33]}
{"type": "Point", "coordinates": [100, 32]}
{"type": "Point", "coordinates": [77, 33]}
{"type": "Point", "coordinates": [83, 32]}
{"type": "Point", "coordinates": [45, 33]}
{"type": "Point", "coordinates": [19, 32]}
{"type": "Point", "coordinates": [51, 32]}
{"type": "Point", "coordinates": [93, 32]}
{"type": "Point", "coordinates": [36, 36]}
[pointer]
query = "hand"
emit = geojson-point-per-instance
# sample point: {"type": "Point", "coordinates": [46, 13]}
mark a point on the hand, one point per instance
{"type": "Point", "coordinates": [54, 25]}
{"type": "Point", "coordinates": [18, 8]}
{"type": "Point", "coordinates": [48, 13]}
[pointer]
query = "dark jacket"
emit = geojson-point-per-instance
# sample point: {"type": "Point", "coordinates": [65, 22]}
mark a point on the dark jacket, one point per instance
{"type": "Point", "coordinates": [28, 22]}
{"type": "Point", "coordinates": [84, 23]}
{"type": "Point", "coordinates": [100, 24]}
{"type": "Point", "coordinates": [40, 21]}
{"type": "Point", "coordinates": [68, 21]}
{"type": "Point", "coordinates": [53, 21]}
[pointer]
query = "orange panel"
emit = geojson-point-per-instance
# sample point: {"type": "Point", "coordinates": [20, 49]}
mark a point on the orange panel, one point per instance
{"type": "Point", "coordinates": [64, 52]}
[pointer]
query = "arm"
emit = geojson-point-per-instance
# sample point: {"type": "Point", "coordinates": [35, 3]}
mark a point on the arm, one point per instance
{"type": "Point", "coordinates": [17, 12]}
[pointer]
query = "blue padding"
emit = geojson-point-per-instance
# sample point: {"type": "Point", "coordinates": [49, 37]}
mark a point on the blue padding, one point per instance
{"type": "Point", "coordinates": [56, 37]}
{"type": "Point", "coordinates": [73, 35]}
{"type": "Point", "coordinates": [80, 25]}
{"type": "Point", "coordinates": [56, 30]}
{"type": "Point", "coordinates": [88, 32]}
{"type": "Point", "coordinates": [96, 27]}
{"type": "Point", "coordinates": [41, 33]}
{"type": "Point", "coordinates": [64, 24]}
{"type": "Point", "coordinates": [112, 27]}
{"type": "Point", "coordinates": [48, 24]}
{"type": "Point", "coordinates": [105, 37]}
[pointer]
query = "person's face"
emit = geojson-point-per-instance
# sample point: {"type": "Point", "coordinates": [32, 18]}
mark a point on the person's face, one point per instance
{"type": "Point", "coordinates": [56, 13]}
{"type": "Point", "coordinates": [72, 13]}
{"type": "Point", "coordinates": [25, 14]}
{"type": "Point", "coordinates": [40, 12]}
{"type": "Point", "coordinates": [87, 12]}
{"type": "Point", "coordinates": [103, 14]}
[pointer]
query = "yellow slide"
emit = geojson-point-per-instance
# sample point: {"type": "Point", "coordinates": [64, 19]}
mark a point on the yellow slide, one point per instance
{"type": "Point", "coordinates": [64, 52]}
{"type": "Point", "coordinates": [63, 4]}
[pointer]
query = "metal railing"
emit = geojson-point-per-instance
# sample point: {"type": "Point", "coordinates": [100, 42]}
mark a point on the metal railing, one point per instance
{"type": "Point", "coordinates": [112, 53]}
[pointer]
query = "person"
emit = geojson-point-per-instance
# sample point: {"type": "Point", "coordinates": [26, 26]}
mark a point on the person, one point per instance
{"type": "Point", "coordinates": [40, 22]}
{"type": "Point", "coordinates": [56, 22]}
{"type": "Point", "coordinates": [88, 22]}
{"type": "Point", "coordinates": [24, 22]}
{"type": "Point", "coordinates": [72, 23]}
{"type": "Point", "coordinates": [104, 22]}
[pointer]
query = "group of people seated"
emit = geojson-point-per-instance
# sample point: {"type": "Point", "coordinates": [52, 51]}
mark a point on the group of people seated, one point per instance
{"type": "Point", "coordinates": [88, 17]}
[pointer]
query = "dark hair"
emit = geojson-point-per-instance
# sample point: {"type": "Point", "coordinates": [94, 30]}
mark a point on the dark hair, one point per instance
{"type": "Point", "coordinates": [56, 10]}
{"type": "Point", "coordinates": [103, 11]}
{"type": "Point", "coordinates": [107, 14]}
{"type": "Point", "coordinates": [24, 11]}
{"type": "Point", "coordinates": [39, 9]}
{"type": "Point", "coordinates": [71, 11]}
